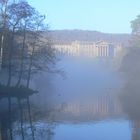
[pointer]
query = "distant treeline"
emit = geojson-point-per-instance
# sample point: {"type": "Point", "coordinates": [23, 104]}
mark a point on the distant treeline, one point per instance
{"type": "Point", "coordinates": [68, 36]}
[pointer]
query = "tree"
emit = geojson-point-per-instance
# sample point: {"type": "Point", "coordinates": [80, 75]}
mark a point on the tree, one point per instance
{"type": "Point", "coordinates": [24, 51]}
{"type": "Point", "coordinates": [25, 42]}
{"type": "Point", "coordinates": [130, 67]}
{"type": "Point", "coordinates": [135, 25]}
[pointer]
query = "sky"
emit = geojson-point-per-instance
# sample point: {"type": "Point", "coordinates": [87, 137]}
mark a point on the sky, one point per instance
{"type": "Point", "coordinates": [109, 16]}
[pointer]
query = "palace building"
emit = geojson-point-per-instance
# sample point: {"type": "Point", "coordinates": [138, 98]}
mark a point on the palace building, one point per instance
{"type": "Point", "coordinates": [91, 49]}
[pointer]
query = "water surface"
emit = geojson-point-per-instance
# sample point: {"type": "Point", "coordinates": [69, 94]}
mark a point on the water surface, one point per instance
{"type": "Point", "coordinates": [87, 103]}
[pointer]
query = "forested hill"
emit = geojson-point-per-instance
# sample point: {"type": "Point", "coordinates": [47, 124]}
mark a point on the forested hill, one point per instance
{"type": "Point", "coordinates": [67, 36]}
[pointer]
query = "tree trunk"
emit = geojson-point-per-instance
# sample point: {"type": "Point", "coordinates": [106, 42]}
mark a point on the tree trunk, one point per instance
{"type": "Point", "coordinates": [30, 68]}
{"type": "Point", "coordinates": [10, 59]}
{"type": "Point", "coordinates": [3, 35]}
{"type": "Point", "coordinates": [22, 58]}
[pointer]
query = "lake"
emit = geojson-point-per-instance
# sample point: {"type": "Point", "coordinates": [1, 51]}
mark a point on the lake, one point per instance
{"type": "Point", "coordinates": [88, 101]}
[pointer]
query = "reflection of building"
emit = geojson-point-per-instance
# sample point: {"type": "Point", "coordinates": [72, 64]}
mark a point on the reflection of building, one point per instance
{"type": "Point", "coordinates": [96, 108]}
{"type": "Point", "coordinates": [92, 49]}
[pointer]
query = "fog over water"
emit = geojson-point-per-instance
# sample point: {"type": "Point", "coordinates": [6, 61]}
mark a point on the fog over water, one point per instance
{"type": "Point", "coordinates": [87, 102]}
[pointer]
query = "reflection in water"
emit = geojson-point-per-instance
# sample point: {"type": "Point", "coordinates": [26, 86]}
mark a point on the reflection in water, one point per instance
{"type": "Point", "coordinates": [95, 108]}
{"type": "Point", "coordinates": [85, 102]}
{"type": "Point", "coordinates": [92, 100]}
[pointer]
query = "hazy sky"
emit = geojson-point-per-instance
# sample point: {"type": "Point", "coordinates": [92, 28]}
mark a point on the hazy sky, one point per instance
{"type": "Point", "coordinates": [112, 16]}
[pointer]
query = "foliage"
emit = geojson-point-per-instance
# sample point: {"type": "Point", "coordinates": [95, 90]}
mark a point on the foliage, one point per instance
{"type": "Point", "coordinates": [130, 67]}
{"type": "Point", "coordinates": [135, 25]}
{"type": "Point", "coordinates": [24, 49]}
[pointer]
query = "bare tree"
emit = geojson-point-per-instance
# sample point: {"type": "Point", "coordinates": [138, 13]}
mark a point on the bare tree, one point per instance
{"type": "Point", "coordinates": [3, 8]}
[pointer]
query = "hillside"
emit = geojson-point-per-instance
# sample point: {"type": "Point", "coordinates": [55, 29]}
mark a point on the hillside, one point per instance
{"type": "Point", "coordinates": [67, 36]}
